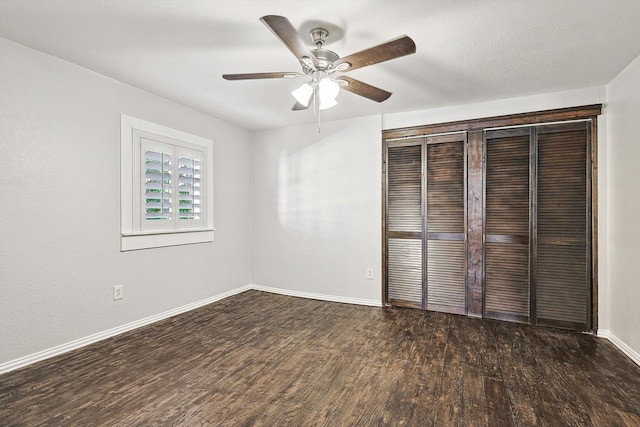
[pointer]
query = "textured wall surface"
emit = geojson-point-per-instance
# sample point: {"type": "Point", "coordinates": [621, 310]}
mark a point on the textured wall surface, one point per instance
{"type": "Point", "coordinates": [60, 217]}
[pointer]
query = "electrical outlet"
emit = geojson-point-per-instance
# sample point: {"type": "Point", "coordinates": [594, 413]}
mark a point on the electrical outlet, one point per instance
{"type": "Point", "coordinates": [369, 273]}
{"type": "Point", "coordinates": [118, 292]}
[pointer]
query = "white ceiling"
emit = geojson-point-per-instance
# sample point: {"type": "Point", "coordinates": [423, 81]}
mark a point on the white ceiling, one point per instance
{"type": "Point", "coordinates": [467, 51]}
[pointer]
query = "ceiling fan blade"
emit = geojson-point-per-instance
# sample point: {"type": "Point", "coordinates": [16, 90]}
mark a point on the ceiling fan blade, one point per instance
{"type": "Point", "coordinates": [392, 49]}
{"type": "Point", "coordinates": [299, 107]}
{"type": "Point", "coordinates": [282, 28]}
{"type": "Point", "coordinates": [363, 89]}
{"type": "Point", "coordinates": [249, 76]}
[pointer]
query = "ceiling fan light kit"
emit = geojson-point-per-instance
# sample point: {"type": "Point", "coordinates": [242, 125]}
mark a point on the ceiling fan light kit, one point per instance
{"type": "Point", "coordinates": [327, 91]}
{"type": "Point", "coordinates": [303, 94]}
{"type": "Point", "coordinates": [322, 65]}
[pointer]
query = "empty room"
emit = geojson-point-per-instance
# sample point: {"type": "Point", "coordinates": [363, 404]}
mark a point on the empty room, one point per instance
{"type": "Point", "coordinates": [331, 213]}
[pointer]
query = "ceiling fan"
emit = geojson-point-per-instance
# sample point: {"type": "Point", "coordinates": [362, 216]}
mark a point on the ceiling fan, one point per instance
{"type": "Point", "coordinates": [322, 65]}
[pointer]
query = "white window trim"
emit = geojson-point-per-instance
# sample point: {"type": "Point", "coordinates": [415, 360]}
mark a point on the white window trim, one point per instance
{"type": "Point", "coordinates": [131, 237]}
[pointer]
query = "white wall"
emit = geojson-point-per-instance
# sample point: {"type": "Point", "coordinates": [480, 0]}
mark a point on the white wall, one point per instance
{"type": "Point", "coordinates": [623, 113]}
{"type": "Point", "coordinates": [60, 199]}
{"type": "Point", "coordinates": [317, 210]}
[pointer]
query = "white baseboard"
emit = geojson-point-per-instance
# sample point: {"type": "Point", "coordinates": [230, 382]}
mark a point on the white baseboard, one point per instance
{"type": "Point", "coordinates": [631, 353]}
{"type": "Point", "coordinates": [73, 345]}
{"type": "Point", "coordinates": [322, 297]}
{"type": "Point", "coordinates": [82, 342]}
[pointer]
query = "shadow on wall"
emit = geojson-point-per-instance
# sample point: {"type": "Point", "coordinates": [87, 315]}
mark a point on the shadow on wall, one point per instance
{"type": "Point", "coordinates": [325, 187]}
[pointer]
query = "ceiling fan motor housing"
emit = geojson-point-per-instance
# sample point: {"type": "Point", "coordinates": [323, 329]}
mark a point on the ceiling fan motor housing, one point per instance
{"type": "Point", "coordinates": [326, 58]}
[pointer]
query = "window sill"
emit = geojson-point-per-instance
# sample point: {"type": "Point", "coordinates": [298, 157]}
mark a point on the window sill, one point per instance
{"type": "Point", "coordinates": [136, 241]}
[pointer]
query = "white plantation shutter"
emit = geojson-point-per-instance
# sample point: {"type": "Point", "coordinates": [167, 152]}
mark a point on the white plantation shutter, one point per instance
{"type": "Point", "coordinates": [156, 207]}
{"type": "Point", "coordinates": [189, 187]}
{"type": "Point", "coordinates": [172, 187]}
{"type": "Point", "coordinates": [158, 185]}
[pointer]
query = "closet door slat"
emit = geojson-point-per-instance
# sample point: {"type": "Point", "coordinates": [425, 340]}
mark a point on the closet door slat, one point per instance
{"type": "Point", "coordinates": [404, 273]}
{"type": "Point", "coordinates": [507, 281]}
{"type": "Point", "coordinates": [404, 200]}
{"type": "Point", "coordinates": [446, 270]}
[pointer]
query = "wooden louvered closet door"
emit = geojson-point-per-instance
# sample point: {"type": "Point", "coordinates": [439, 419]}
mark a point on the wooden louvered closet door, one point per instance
{"type": "Point", "coordinates": [404, 224]}
{"type": "Point", "coordinates": [494, 217]}
{"type": "Point", "coordinates": [426, 223]}
{"type": "Point", "coordinates": [507, 224]}
{"type": "Point", "coordinates": [446, 223]}
{"type": "Point", "coordinates": [537, 225]}
{"type": "Point", "coordinates": [562, 250]}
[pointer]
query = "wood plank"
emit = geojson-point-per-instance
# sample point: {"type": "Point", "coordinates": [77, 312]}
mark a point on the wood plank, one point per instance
{"type": "Point", "coordinates": [507, 238]}
{"type": "Point", "coordinates": [475, 213]}
{"type": "Point", "coordinates": [593, 214]}
{"type": "Point", "coordinates": [536, 117]}
{"type": "Point", "coordinates": [446, 236]}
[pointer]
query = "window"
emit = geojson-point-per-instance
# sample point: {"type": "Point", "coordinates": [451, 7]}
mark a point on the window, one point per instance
{"type": "Point", "coordinates": [166, 186]}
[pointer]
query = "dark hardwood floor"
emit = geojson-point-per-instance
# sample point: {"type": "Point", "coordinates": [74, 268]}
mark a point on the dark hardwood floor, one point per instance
{"type": "Point", "coordinates": [265, 359]}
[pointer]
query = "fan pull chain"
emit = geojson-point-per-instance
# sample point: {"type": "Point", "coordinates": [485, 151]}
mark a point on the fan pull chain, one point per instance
{"type": "Point", "coordinates": [318, 120]}
{"type": "Point", "coordinates": [316, 103]}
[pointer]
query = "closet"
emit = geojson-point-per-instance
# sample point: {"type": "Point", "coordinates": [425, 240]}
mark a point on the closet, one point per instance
{"type": "Point", "coordinates": [494, 217]}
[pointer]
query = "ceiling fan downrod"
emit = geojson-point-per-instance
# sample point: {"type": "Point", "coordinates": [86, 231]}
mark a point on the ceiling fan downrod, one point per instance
{"type": "Point", "coordinates": [319, 37]}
